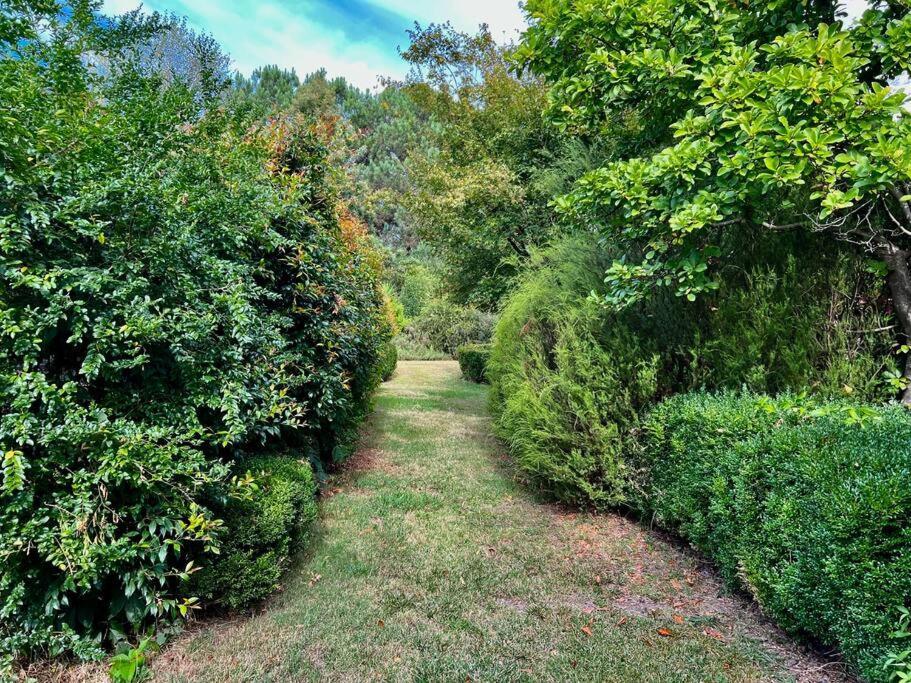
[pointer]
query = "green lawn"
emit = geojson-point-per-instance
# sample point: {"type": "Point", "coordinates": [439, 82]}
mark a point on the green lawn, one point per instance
{"type": "Point", "coordinates": [434, 563]}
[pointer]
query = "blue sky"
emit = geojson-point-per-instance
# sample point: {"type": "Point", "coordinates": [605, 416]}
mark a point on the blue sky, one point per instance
{"type": "Point", "coordinates": [357, 39]}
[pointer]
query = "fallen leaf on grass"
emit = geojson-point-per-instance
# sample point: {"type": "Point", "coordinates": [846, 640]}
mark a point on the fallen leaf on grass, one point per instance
{"type": "Point", "coordinates": [622, 621]}
{"type": "Point", "coordinates": [665, 632]}
{"type": "Point", "coordinates": [712, 633]}
{"type": "Point", "coordinates": [586, 630]}
{"type": "Point", "coordinates": [678, 619]}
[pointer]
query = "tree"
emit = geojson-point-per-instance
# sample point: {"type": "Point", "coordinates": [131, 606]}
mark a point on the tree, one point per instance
{"type": "Point", "coordinates": [482, 202]}
{"type": "Point", "coordinates": [783, 123]}
{"type": "Point", "coordinates": [270, 86]}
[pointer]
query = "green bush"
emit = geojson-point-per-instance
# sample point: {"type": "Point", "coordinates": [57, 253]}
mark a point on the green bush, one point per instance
{"type": "Point", "coordinates": [571, 379]}
{"type": "Point", "coordinates": [445, 326]}
{"type": "Point", "coordinates": [568, 380]}
{"type": "Point", "coordinates": [809, 509]}
{"type": "Point", "coordinates": [389, 359]}
{"type": "Point", "coordinates": [411, 349]}
{"type": "Point", "coordinates": [473, 361]}
{"type": "Point", "coordinates": [179, 284]}
{"type": "Point", "coordinates": [262, 530]}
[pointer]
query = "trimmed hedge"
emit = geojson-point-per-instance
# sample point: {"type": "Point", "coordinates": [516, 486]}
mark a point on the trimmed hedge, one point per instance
{"type": "Point", "coordinates": [261, 533]}
{"type": "Point", "coordinates": [807, 511]}
{"type": "Point", "coordinates": [389, 359]}
{"type": "Point", "coordinates": [473, 359]}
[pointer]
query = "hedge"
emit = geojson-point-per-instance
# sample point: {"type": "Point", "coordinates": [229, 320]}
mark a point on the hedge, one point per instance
{"type": "Point", "coordinates": [179, 285]}
{"type": "Point", "coordinates": [473, 360]}
{"type": "Point", "coordinates": [261, 532]}
{"type": "Point", "coordinates": [807, 509]}
{"type": "Point", "coordinates": [389, 359]}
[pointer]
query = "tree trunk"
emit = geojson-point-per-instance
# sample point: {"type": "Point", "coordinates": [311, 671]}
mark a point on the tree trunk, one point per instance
{"type": "Point", "coordinates": [900, 286]}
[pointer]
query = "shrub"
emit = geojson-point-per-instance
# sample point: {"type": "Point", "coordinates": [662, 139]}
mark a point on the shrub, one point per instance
{"type": "Point", "coordinates": [445, 326]}
{"type": "Point", "coordinates": [568, 380]}
{"type": "Point", "coordinates": [807, 511]}
{"type": "Point", "coordinates": [411, 349]}
{"type": "Point", "coordinates": [178, 285]}
{"type": "Point", "coordinates": [473, 361]}
{"type": "Point", "coordinates": [262, 530]}
{"type": "Point", "coordinates": [389, 359]}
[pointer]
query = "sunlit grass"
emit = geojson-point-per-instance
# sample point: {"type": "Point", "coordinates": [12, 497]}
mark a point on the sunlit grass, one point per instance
{"type": "Point", "coordinates": [434, 563]}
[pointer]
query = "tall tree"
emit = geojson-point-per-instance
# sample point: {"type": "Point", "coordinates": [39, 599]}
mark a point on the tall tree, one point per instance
{"type": "Point", "coordinates": [482, 202]}
{"type": "Point", "coordinates": [771, 114]}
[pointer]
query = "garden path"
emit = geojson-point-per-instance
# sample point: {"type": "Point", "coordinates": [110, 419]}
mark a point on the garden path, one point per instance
{"type": "Point", "coordinates": [435, 562]}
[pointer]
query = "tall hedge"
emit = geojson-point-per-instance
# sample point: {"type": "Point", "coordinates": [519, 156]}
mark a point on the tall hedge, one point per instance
{"type": "Point", "coordinates": [179, 286]}
{"type": "Point", "coordinates": [571, 379]}
{"type": "Point", "coordinates": [811, 513]}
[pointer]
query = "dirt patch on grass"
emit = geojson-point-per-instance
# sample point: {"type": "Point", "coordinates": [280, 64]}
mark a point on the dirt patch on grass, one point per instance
{"type": "Point", "coordinates": [59, 673]}
{"type": "Point", "coordinates": [643, 574]}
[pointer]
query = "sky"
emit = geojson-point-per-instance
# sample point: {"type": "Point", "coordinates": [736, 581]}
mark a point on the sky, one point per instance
{"type": "Point", "coordinates": [358, 39]}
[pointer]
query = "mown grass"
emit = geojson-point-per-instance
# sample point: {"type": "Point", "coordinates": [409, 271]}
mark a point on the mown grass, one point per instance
{"type": "Point", "coordinates": [434, 563]}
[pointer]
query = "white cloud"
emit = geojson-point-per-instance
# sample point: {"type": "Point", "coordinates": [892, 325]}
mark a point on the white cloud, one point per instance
{"type": "Point", "coordinates": [504, 17]}
{"type": "Point", "coordinates": [267, 33]}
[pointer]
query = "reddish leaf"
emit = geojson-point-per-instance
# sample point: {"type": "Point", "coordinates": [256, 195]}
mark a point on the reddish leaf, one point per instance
{"type": "Point", "coordinates": [665, 632]}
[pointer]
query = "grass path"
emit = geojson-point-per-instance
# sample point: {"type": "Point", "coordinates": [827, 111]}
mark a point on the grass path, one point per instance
{"type": "Point", "coordinates": [435, 563]}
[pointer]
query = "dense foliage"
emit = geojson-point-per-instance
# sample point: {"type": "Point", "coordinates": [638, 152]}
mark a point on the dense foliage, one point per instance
{"type": "Point", "coordinates": [805, 509]}
{"type": "Point", "coordinates": [473, 360]}
{"type": "Point", "coordinates": [179, 286]}
{"type": "Point", "coordinates": [261, 529]}
{"type": "Point", "coordinates": [482, 200]}
{"type": "Point", "coordinates": [779, 116]}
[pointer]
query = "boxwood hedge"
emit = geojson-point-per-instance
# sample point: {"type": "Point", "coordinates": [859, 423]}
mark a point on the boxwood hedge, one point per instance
{"type": "Point", "coordinates": [473, 360]}
{"type": "Point", "coordinates": [808, 509]}
{"type": "Point", "coordinates": [262, 530]}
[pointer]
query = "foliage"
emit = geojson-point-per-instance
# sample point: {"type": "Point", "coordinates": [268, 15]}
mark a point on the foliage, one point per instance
{"type": "Point", "coordinates": [787, 121]}
{"type": "Point", "coordinates": [806, 510]}
{"type": "Point", "coordinates": [262, 528]}
{"type": "Point", "coordinates": [567, 383]}
{"type": "Point", "coordinates": [473, 360]}
{"type": "Point", "coordinates": [482, 201]}
{"type": "Point", "coordinates": [391, 128]}
{"type": "Point", "coordinates": [270, 88]}
{"type": "Point", "coordinates": [409, 348]}
{"type": "Point", "coordinates": [176, 286]}
{"type": "Point", "coordinates": [389, 359]}
{"type": "Point", "coordinates": [571, 378]}
{"type": "Point", "coordinates": [898, 664]}
{"type": "Point", "coordinates": [792, 314]}
{"type": "Point", "coordinates": [129, 666]}
{"type": "Point", "coordinates": [445, 326]}
{"type": "Point", "coordinates": [414, 280]}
